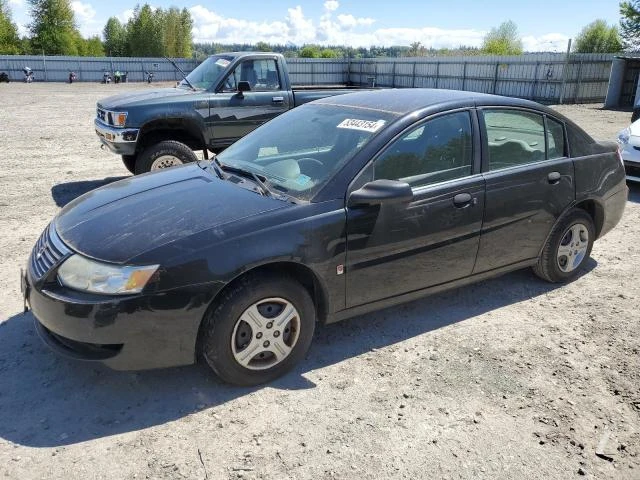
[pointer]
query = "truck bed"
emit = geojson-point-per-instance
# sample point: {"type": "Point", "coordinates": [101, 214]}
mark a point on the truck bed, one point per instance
{"type": "Point", "coordinates": [307, 93]}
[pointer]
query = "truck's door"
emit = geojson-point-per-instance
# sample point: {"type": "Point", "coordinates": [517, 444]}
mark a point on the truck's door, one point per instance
{"type": "Point", "coordinates": [233, 115]}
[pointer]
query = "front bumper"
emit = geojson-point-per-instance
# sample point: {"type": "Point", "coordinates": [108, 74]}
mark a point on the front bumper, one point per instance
{"type": "Point", "coordinates": [631, 159]}
{"type": "Point", "coordinates": [126, 333]}
{"type": "Point", "coordinates": [119, 140]}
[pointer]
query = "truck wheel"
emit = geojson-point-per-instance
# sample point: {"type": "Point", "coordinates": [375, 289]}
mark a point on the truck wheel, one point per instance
{"type": "Point", "coordinates": [130, 162]}
{"type": "Point", "coordinates": [260, 329]}
{"type": "Point", "coordinates": [568, 247]}
{"type": "Point", "coordinates": [165, 154]}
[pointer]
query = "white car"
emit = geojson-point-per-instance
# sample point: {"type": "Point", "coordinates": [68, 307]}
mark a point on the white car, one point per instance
{"type": "Point", "coordinates": [629, 141]}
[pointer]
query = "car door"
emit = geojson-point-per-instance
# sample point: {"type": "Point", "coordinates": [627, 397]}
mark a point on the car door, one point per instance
{"type": "Point", "coordinates": [398, 248]}
{"type": "Point", "coordinates": [232, 114]}
{"type": "Point", "coordinates": [529, 183]}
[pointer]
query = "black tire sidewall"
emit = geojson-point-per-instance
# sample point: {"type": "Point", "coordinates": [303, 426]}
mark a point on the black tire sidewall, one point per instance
{"type": "Point", "coordinates": [573, 218]}
{"type": "Point", "coordinates": [129, 162]}
{"type": "Point", "coordinates": [167, 147]}
{"type": "Point", "coordinates": [220, 323]}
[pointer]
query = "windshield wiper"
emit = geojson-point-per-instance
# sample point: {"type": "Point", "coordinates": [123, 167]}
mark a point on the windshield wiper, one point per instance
{"type": "Point", "coordinates": [217, 168]}
{"type": "Point", "coordinates": [184, 75]}
{"type": "Point", "coordinates": [266, 191]}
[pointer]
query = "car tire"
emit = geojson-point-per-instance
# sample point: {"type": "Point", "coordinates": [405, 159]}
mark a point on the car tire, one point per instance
{"type": "Point", "coordinates": [568, 247]}
{"type": "Point", "coordinates": [240, 336]}
{"type": "Point", "coordinates": [129, 162]}
{"type": "Point", "coordinates": [167, 153]}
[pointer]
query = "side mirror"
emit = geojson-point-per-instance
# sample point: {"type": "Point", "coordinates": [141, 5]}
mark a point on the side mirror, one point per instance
{"type": "Point", "coordinates": [243, 86]}
{"type": "Point", "coordinates": [381, 192]}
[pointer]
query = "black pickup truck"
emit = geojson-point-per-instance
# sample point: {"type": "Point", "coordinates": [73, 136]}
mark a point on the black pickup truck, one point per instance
{"type": "Point", "coordinates": [220, 101]}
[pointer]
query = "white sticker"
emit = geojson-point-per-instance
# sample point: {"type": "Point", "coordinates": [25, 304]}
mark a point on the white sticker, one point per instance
{"type": "Point", "coordinates": [364, 125]}
{"type": "Point", "coordinates": [222, 62]}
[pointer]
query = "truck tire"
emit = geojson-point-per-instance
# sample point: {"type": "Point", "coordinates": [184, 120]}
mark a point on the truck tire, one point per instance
{"type": "Point", "coordinates": [130, 162]}
{"type": "Point", "coordinates": [165, 154]}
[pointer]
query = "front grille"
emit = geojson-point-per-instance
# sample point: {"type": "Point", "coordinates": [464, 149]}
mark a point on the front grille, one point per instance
{"type": "Point", "coordinates": [631, 169]}
{"type": "Point", "coordinates": [47, 253]}
{"type": "Point", "coordinates": [102, 115]}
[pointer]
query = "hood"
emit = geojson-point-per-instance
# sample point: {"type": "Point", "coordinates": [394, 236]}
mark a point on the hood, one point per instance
{"type": "Point", "coordinates": [125, 100]}
{"type": "Point", "coordinates": [125, 219]}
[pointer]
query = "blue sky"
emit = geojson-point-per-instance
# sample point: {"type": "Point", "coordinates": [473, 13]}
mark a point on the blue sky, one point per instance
{"type": "Point", "coordinates": [543, 24]}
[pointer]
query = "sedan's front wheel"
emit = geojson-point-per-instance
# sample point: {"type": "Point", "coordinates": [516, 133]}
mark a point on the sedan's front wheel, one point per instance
{"type": "Point", "coordinates": [259, 330]}
{"type": "Point", "coordinates": [568, 247]}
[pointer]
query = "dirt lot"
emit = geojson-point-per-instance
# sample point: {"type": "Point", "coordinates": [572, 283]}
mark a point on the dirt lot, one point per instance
{"type": "Point", "coordinates": [510, 378]}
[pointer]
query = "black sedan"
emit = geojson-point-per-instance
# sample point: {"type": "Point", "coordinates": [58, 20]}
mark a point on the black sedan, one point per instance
{"type": "Point", "coordinates": [334, 209]}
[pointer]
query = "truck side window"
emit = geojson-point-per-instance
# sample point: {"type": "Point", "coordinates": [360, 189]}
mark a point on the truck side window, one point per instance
{"type": "Point", "coordinates": [262, 75]}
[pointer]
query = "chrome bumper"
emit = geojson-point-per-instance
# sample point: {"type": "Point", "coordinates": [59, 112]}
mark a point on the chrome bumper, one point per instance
{"type": "Point", "coordinates": [119, 140]}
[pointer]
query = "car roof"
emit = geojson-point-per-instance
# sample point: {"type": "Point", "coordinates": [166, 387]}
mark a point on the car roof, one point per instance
{"type": "Point", "coordinates": [402, 101]}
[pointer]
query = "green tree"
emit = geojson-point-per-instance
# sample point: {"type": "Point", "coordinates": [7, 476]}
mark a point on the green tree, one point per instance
{"type": "Point", "coordinates": [94, 47]}
{"type": "Point", "coordinates": [329, 53]}
{"type": "Point", "coordinates": [53, 29]}
{"type": "Point", "coordinates": [262, 47]}
{"type": "Point", "coordinates": [145, 35]}
{"type": "Point", "coordinates": [115, 38]}
{"type": "Point", "coordinates": [598, 37]}
{"type": "Point", "coordinates": [9, 40]}
{"type": "Point", "coordinates": [310, 51]}
{"type": "Point", "coordinates": [177, 26]}
{"type": "Point", "coordinates": [630, 24]}
{"type": "Point", "coordinates": [184, 42]}
{"type": "Point", "coordinates": [416, 50]}
{"type": "Point", "coordinates": [503, 40]}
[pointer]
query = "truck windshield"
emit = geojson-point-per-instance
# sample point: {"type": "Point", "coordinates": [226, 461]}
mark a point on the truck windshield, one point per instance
{"type": "Point", "coordinates": [208, 73]}
{"type": "Point", "coordinates": [300, 151]}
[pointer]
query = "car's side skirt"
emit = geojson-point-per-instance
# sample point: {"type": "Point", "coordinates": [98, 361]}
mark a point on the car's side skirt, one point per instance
{"type": "Point", "coordinates": [408, 297]}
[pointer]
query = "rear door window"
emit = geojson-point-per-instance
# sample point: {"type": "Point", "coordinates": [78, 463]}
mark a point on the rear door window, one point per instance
{"type": "Point", "coordinates": [555, 139]}
{"type": "Point", "coordinates": [514, 138]}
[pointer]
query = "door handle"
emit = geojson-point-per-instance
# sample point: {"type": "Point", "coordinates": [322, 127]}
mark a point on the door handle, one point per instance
{"type": "Point", "coordinates": [554, 178]}
{"type": "Point", "coordinates": [463, 200]}
{"type": "Point", "coordinates": [277, 99]}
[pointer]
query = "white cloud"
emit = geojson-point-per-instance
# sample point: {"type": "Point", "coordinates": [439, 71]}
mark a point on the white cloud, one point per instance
{"type": "Point", "coordinates": [331, 5]}
{"type": "Point", "coordinates": [83, 11]}
{"type": "Point", "coordinates": [23, 30]}
{"type": "Point", "coordinates": [86, 17]}
{"type": "Point", "coordinates": [125, 16]}
{"type": "Point", "coordinates": [16, 3]}
{"type": "Point", "coordinates": [342, 29]}
{"type": "Point", "coordinates": [349, 21]}
{"type": "Point", "coordinates": [551, 42]}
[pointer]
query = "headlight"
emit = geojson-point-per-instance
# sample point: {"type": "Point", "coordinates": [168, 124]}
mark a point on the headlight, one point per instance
{"type": "Point", "coordinates": [623, 136]}
{"type": "Point", "coordinates": [80, 273]}
{"type": "Point", "coordinates": [118, 118]}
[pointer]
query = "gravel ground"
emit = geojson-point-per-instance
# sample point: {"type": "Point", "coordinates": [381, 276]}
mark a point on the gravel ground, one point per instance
{"type": "Point", "coordinates": [509, 378]}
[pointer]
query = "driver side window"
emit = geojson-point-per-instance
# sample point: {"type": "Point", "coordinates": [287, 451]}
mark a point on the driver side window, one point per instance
{"type": "Point", "coordinates": [436, 151]}
{"type": "Point", "coordinates": [262, 75]}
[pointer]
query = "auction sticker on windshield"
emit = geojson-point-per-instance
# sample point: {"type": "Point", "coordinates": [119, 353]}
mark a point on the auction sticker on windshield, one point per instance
{"type": "Point", "coordinates": [364, 125]}
{"type": "Point", "coordinates": [222, 62]}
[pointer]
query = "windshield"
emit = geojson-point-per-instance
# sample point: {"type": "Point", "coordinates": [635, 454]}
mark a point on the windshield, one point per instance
{"type": "Point", "coordinates": [208, 73]}
{"type": "Point", "coordinates": [300, 151]}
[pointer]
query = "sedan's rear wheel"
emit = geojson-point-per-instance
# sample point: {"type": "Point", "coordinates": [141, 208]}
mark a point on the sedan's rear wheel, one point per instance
{"type": "Point", "coordinates": [259, 330]}
{"type": "Point", "coordinates": [568, 247]}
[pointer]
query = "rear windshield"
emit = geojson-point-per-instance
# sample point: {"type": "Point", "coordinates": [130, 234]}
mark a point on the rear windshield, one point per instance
{"type": "Point", "coordinates": [301, 150]}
